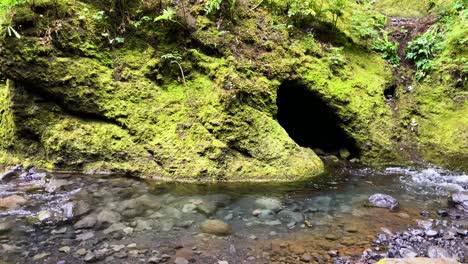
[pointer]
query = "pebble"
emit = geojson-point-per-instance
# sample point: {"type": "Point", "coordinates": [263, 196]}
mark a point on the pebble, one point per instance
{"type": "Point", "coordinates": [306, 257]}
{"type": "Point", "coordinates": [180, 260]}
{"type": "Point", "coordinates": [65, 249]}
{"type": "Point", "coordinates": [81, 251]}
{"type": "Point", "coordinates": [41, 256]}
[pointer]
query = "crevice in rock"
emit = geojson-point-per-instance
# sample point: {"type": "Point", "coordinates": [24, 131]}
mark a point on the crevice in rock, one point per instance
{"type": "Point", "coordinates": [310, 121]}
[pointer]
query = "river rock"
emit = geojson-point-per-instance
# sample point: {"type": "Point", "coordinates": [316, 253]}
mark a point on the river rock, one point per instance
{"type": "Point", "coordinates": [268, 203]}
{"type": "Point", "coordinates": [181, 260]}
{"type": "Point", "coordinates": [5, 227]}
{"type": "Point", "coordinates": [216, 227]}
{"type": "Point", "coordinates": [459, 201]}
{"type": "Point", "coordinates": [56, 184]}
{"type": "Point", "coordinates": [383, 201]}
{"type": "Point", "coordinates": [438, 252]}
{"type": "Point", "coordinates": [12, 202]}
{"type": "Point", "coordinates": [288, 216]}
{"type": "Point", "coordinates": [87, 222]}
{"type": "Point", "coordinates": [417, 261]}
{"type": "Point", "coordinates": [6, 176]}
{"type": "Point", "coordinates": [107, 217]}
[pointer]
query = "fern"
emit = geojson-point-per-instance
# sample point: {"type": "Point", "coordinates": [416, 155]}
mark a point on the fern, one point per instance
{"type": "Point", "coordinates": [167, 15]}
{"type": "Point", "coordinates": [212, 6]}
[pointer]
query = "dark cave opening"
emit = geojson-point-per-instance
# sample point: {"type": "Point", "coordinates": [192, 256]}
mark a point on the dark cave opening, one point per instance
{"type": "Point", "coordinates": [310, 122]}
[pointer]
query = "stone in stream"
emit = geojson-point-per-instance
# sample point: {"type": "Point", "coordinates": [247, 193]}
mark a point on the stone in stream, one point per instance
{"type": "Point", "coordinates": [216, 227]}
{"type": "Point", "coordinates": [289, 216]}
{"type": "Point", "coordinates": [272, 204]}
{"type": "Point", "coordinates": [6, 176]}
{"type": "Point", "coordinates": [107, 217]}
{"type": "Point", "coordinates": [383, 201]}
{"type": "Point", "coordinates": [459, 201]}
{"type": "Point", "coordinates": [181, 260]}
{"type": "Point", "coordinates": [12, 202]}
{"type": "Point", "coordinates": [5, 227]}
{"type": "Point", "coordinates": [56, 184]}
{"type": "Point", "coordinates": [438, 252]}
{"type": "Point", "coordinates": [87, 222]}
{"type": "Point", "coordinates": [417, 261]}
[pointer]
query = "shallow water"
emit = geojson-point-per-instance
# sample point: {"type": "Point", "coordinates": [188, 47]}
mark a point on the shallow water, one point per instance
{"type": "Point", "coordinates": [326, 213]}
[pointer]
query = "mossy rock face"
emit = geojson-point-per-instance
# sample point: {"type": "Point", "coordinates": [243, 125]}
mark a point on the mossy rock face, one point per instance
{"type": "Point", "coordinates": [74, 101]}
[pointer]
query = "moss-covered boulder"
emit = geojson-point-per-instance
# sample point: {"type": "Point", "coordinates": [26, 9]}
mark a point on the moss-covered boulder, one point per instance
{"type": "Point", "coordinates": [99, 87]}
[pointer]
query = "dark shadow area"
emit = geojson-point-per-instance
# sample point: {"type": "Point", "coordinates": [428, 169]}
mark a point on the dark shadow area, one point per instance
{"type": "Point", "coordinates": [310, 122]}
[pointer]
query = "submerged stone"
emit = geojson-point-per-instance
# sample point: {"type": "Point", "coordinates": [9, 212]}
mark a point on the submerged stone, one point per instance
{"type": "Point", "coordinates": [216, 227]}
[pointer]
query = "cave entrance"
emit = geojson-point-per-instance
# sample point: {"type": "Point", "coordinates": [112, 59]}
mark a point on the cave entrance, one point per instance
{"type": "Point", "coordinates": [310, 122]}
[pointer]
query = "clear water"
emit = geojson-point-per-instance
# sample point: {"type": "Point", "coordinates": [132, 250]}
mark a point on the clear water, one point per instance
{"type": "Point", "coordinates": [329, 212]}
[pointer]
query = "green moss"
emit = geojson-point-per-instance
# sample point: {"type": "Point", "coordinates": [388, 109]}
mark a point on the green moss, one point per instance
{"type": "Point", "coordinates": [7, 126]}
{"type": "Point", "coordinates": [409, 8]}
{"type": "Point", "coordinates": [82, 103]}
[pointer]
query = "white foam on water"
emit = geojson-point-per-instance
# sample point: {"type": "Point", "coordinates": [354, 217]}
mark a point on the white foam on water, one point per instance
{"type": "Point", "coordinates": [432, 179]}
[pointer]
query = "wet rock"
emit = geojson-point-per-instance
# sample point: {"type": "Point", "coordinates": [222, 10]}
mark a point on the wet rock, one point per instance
{"type": "Point", "coordinates": [90, 257]}
{"type": "Point", "coordinates": [425, 213]}
{"type": "Point", "coordinates": [442, 213]}
{"type": "Point", "coordinates": [81, 252]}
{"type": "Point", "coordinates": [417, 261]}
{"type": "Point", "coordinates": [75, 209]}
{"type": "Point", "coordinates": [5, 227]}
{"type": "Point", "coordinates": [184, 224]}
{"type": "Point", "coordinates": [181, 260]}
{"type": "Point", "coordinates": [268, 203]}
{"type": "Point", "coordinates": [12, 202]}
{"type": "Point", "coordinates": [273, 223]}
{"type": "Point", "coordinates": [85, 236]}
{"type": "Point", "coordinates": [65, 249]}
{"type": "Point", "coordinates": [41, 256]}
{"type": "Point", "coordinates": [56, 184]}
{"type": "Point", "coordinates": [9, 174]}
{"type": "Point", "coordinates": [459, 201]}
{"type": "Point", "coordinates": [262, 213]}
{"type": "Point", "coordinates": [87, 222]}
{"type": "Point", "coordinates": [289, 216]}
{"type": "Point", "coordinates": [216, 227]}
{"type": "Point", "coordinates": [306, 257]}
{"type": "Point", "coordinates": [438, 252]}
{"type": "Point", "coordinates": [408, 253]}
{"type": "Point", "coordinates": [114, 228]}
{"type": "Point", "coordinates": [229, 217]}
{"type": "Point", "coordinates": [188, 208]}
{"type": "Point", "coordinates": [383, 201]}
{"type": "Point", "coordinates": [431, 233]}
{"type": "Point", "coordinates": [426, 224]}
{"type": "Point", "coordinates": [107, 217]}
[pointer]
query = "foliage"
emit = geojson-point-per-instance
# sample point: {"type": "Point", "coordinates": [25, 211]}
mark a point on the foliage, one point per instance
{"type": "Point", "coordinates": [175, 58]}
{"type": "Point", "coordinates": [423, 49]}
{"type": "Point", "coordinates": [214, 6]}
{"type": "Point", "coordinates": [387, 48]}
{"type": "Point", "coordinates": [301, 9]}
{"type": "Point", "coordinates": [167, 15]}
{"type": "Point", "coordinates": [369, 26]}
{"type": "Point", "coordinates": [336, 57]}
{"type": "Point", "coordinates": [336, 9]}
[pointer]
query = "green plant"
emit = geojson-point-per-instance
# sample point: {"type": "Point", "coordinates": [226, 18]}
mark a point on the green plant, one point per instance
{"type": "Point", "coordinates": [299, 9]}
{"type": "Point", "coordinates": [423, 49]}
{"type": "Point", "coordinates": [336, 9]}
{"type": "Point", "coordinates": [336, 57]}
{"type": "Point", "coordinates": [213, 6]}
{"type": "Point", "coordinates": [174, 58]}
{"type": "Point", "coordinates": [387, 49]}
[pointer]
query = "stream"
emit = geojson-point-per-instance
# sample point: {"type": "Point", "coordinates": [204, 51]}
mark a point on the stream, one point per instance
{"type": "Point", "coordinates": [74, 218]}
